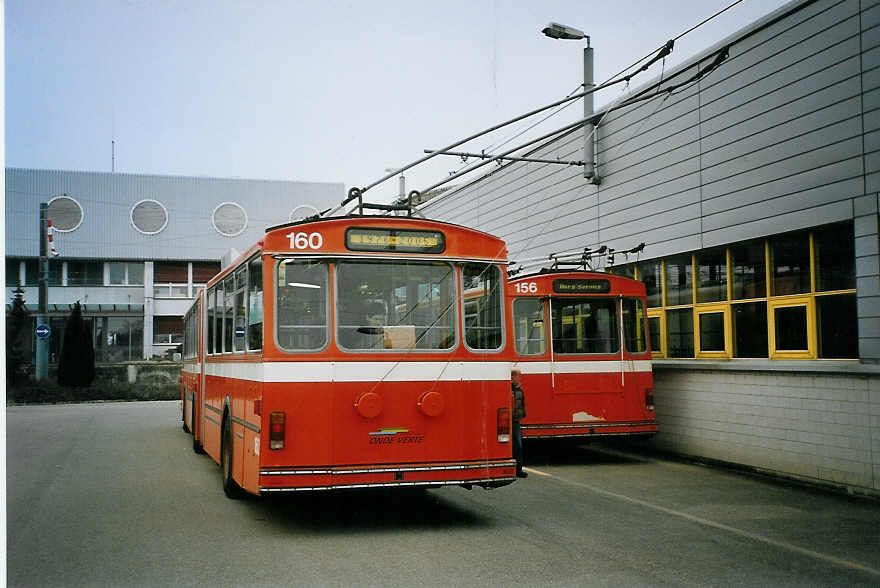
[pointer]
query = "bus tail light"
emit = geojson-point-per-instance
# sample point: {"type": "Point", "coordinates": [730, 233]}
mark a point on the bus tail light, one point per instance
{"type": "Point", "coordinates": [276, 430]}
{"type": "Point", "coordinates": [503, 425]}
{"type": "Point", "coordinates": [649, 399]}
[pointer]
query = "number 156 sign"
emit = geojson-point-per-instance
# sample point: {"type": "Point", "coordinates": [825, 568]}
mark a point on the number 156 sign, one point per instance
{"type": "Point", "coordinates": [526, 288]}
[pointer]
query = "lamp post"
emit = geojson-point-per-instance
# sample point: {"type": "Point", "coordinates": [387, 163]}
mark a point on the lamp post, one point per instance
{"type": "Point", "coordinates": [401, 183]}
{"type": "Point", "coordinates": [558, 31]}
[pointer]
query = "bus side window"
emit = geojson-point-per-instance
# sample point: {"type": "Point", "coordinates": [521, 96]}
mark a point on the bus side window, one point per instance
{"type": "Point", "coordinates": [211, 298]}
{"type": "Point", "coordinates": [255, 304]}
{"type": "Point", "coordinates": [238, 309]}
{"type": "Point", "coordinates": [481, 283]}
{"type": "Point", "coordinates": [634, 328]}
{"type": "Point", "coordinates": [528, 319]}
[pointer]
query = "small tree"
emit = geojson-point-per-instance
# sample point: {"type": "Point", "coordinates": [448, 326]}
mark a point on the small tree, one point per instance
{"type": "Point", "coordinates": [18, 338]}
{"type": "Point", "coordinates": [76, 367]}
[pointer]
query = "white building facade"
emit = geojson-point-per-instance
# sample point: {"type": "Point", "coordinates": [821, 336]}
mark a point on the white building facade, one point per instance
{"type": "Point", "coordinates": [135, 249]}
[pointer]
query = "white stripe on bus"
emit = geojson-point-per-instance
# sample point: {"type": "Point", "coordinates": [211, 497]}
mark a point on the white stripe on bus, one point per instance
{"type": "Point", "coordinates": [613, 366]}
{"type": "Point", "coordinates": [361, 371]}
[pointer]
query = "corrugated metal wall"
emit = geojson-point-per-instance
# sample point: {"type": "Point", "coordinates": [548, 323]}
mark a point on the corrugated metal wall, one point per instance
{"type": "Point", "coordinates": [106, 231]}
{"type": "Point", "coordinates": [771, 141]}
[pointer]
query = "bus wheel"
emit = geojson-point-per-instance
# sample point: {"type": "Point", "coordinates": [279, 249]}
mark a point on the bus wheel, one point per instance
{"type": "Point", "coordinates": [230, 486]}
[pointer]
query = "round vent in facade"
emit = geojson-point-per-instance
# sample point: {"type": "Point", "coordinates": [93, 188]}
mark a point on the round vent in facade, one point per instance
{"type": "Point", "coordinates": [302, 211]}
{"type": "Point", "coordinates": [65, 213]}
{"type": "Point", "coordinates": [149, 217]}
{"type": "Point", "coordinates": [229, 219]}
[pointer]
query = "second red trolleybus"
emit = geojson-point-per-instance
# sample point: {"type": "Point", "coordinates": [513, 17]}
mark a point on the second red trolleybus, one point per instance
{"type": "Point", "coordinates": [337, 353]}
{"type": "Point", "coordinates": [582, 347]}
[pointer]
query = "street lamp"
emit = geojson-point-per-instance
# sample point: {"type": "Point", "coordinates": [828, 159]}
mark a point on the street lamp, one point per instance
{"type": "Point", "coordinates": [558, 31]}
{"type": "Point", "coordinates": [402, 183]}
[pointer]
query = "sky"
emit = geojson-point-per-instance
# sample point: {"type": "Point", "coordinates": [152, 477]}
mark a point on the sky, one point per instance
{"type": "Point", "coordinates": [325, 91]}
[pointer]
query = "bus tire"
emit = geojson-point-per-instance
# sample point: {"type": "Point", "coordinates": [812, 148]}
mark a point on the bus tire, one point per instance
{"type": "Point", "coordinates": [230, 486]}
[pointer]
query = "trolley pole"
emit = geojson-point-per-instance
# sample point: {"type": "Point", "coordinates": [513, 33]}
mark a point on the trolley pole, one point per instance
{"type": "Point", "coordinates": [42, 371]}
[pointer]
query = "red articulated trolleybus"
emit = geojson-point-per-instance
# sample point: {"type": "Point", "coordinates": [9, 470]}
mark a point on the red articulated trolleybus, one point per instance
{"type": "Point", "coordinates": [337, 353]}
{"type": "Point", "coordinates": [579, 379]}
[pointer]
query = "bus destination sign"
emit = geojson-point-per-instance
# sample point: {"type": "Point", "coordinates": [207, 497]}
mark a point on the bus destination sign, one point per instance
{"type": "Point", "coordinates": [574, 286]}
{"type": "Point", "coordinates": [394, 240]}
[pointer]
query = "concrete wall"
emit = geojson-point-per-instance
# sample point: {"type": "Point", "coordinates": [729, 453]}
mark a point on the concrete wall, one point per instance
{"type": "Point", "coordinates": [818, 427]}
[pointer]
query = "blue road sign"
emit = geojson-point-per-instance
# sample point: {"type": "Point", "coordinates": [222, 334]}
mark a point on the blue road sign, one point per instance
{"type": "Point", "coordinates": [43, 331]}
{"type": "Point", "coordinates": [239, 331]}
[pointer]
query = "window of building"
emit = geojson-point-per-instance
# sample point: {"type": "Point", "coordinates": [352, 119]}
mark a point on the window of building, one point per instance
{"type": "Point", "coordinates": [65, 213]}
{"type": "Point", "coordinates": [650, 273]}
{"type": "Point", "coordinates": [149, 217]}
{"type": "Point", "coordinates": [167, 330]}
{"type": "Point", "coordinates": [790, 263]}
{"type": "Point", "coordinates": [835, 246]}
{"type": "Point", "coordinates": [711, 331]}
{"type": "Point", "coordinates": [171, 279]}
{"type": "Point", "coordinates": [13, 268]}
{"type": "Point", "coordinates": [808, 313]}
{"type": "Point", "coordinates": [680, 332]}
{"type": "Point", "coordinates": [679, 281]}
{"type": "Point", "coordinates": [118, 338]}
{"type": "Point", "coordinates": [32, 272]}
{"type": "Point", "coordinates": [56, 272]}
{"type": "Point", "coordinates": [750, 329]}
{"type": "Point", "coordinates": [749, 270]}
{"type": "Point", "coordinates": [85, 273]}
{"type": "Point", "coordinates": [790, 332]}
{"type": "Point", "coordinates": [712, 275]}
{"type": "Point", "coordinates": [229, 219]}
{"type": "Point", "coordinates": [122, 273]}
{"type": "Point", "coordinates": [655, 328]}
{"type": "Point", "coordinates": [836, 320]}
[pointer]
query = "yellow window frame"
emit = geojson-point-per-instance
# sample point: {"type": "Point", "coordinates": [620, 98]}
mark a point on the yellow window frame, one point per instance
{"type": "Point", "coordinates": [809, 303]}
{"type": "Point", "coordinates": [724, 310]}
{"type": "Point", "coordinates": [658, 313]}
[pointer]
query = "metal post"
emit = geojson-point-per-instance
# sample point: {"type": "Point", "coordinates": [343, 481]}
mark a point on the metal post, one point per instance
{"type": "Point", "coordinates": [590, 167]}
{"type": "Point", "coordinates": [42, 368]}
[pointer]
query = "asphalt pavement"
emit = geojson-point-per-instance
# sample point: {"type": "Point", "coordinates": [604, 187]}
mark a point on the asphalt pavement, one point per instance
{"type": "Point", "coordinates": [111, 494]}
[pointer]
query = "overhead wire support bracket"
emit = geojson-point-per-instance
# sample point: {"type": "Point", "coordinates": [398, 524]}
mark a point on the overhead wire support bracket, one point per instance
{"type": "Point", "coordinates": [465, 155]}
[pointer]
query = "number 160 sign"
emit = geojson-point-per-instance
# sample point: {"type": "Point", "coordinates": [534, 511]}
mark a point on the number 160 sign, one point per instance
{"type": "Point", "coordinates": [304, 240]}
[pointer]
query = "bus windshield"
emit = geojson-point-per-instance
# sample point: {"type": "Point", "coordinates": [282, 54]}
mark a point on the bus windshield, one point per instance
{"type": "Point", "coordinates": [395, 305]}
{"type": "Point", "coordinates": [585, 326]}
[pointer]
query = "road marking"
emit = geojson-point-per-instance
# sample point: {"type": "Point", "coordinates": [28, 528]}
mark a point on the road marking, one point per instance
{"type": "Point", "coordinates": [699, 520]}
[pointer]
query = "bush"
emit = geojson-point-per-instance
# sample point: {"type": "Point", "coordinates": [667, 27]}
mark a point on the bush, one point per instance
{"type": "Point", "coordinates": [47, 392]}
